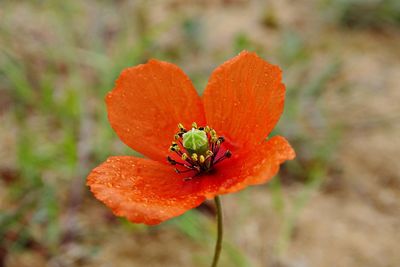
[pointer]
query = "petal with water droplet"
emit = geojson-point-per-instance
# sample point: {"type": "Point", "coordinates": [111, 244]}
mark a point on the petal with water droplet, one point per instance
{"type": "Point", "coordinates": [244, 99]}
{"type": "Point", "coordinates": [142, 190]}
{"type": "Point", "coordinates": [147, 103]}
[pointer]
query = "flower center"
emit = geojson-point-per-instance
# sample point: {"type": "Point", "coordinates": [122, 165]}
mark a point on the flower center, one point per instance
{"type": "Point", "coordinates": [197, 150]}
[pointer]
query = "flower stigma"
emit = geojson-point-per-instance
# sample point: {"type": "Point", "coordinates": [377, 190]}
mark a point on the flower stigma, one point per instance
{"type": "Point", "coordinates": [197, 150]}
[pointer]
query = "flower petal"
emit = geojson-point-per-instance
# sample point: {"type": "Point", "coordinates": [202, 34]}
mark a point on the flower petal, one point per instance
{"type": "Point", "coordinates": [244, 99]}
{"type": "Point", "coordinates": [142, 190]}
{"type": "Point", "coordinates": [248, 168]}
{"type": "Point", "coordinates": [148, 102]}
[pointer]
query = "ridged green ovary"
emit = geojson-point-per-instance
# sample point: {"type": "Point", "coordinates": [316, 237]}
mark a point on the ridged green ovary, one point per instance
{"type": "Point", "coordinates": [195, 141]}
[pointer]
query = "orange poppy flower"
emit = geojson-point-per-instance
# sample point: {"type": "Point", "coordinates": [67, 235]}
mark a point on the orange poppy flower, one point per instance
{"type": "Point", "coordinates": [224, 149]}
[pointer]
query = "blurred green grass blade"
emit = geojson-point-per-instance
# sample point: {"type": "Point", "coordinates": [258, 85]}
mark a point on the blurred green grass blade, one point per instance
{"type": "Point", "coordinates": [235, 255]}
{"type": "Point", "coordinates": [192, 224]}
{"type": "Point", "coordinates": [278, 201]}
{"type": "Point", "coordinates": [15, 75]}
{"type": "Point", "coordinates": [316, 178]}
{"type": "Point", "coordinates": [317, 86]}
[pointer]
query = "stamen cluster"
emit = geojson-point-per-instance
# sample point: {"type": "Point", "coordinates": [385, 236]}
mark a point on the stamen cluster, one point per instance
{"type": "Point", "coordinates": [201, 155]}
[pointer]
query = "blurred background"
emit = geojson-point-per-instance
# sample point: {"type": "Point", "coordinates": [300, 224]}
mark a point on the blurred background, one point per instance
{"type": "Point", "coordinates": [336, 204]}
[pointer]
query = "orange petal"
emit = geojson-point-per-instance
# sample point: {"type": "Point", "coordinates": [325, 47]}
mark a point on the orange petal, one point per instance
{"type": "Point", "coordinates": [148, 102]}
{"type": "Point", "coordinates": [142, 190]}
{"type": "Point", "coordinates": [244, 99]}
{"type": "Point", "coordinates": [249, 168]}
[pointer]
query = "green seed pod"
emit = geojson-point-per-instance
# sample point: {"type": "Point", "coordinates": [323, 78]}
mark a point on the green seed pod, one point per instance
{"type": "Point", "coordinates": [195, 141]}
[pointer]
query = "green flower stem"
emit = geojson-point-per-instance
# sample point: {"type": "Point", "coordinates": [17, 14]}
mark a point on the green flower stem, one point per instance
{"type": "Point", "coordinates": [218, 245]}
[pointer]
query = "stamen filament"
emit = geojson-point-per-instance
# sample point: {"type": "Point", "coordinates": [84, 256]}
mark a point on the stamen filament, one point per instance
{"type": "Point", "coordinates": [179, 171]}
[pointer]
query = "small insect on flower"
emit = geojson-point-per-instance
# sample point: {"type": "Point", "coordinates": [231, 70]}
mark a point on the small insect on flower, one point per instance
{"type": "Point", "coordinates": [196, 147]}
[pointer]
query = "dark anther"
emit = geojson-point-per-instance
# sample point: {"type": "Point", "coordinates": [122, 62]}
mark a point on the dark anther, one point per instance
{"type": "Point", "coordinates": [174, 147]}
{"type": "Point", "coordinates": [221, 139]}
{"type": "Point", "coordinates": [171, 161]}
{"type": "Point", "coordinates": [201, 128]}
{"type": "Point", "coordinates": [228, 154]}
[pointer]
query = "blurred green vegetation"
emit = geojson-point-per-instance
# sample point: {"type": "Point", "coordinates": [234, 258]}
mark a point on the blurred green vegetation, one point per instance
{"type": "Point", "coordinates": [55, 73]}
{"type": "Point", "coordinates": [375, 14]}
